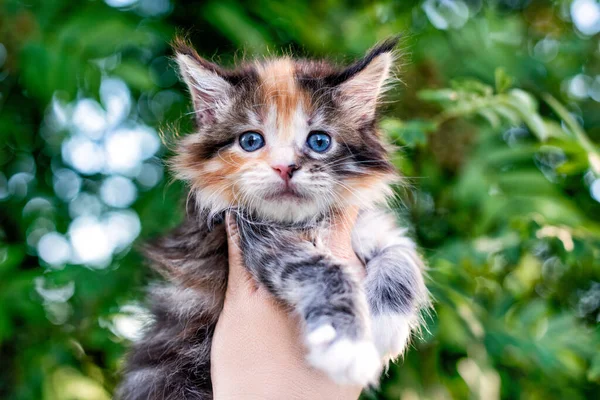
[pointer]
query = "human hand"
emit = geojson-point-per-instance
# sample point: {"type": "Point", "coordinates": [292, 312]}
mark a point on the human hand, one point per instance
{"type": "Point", "coordinates": [257, 350]}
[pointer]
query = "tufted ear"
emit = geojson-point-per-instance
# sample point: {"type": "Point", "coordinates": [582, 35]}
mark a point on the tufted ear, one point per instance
{"type": "Point", "coordinates": [207, 83]}
{"type": "Point", "coordinates": [360, 85]}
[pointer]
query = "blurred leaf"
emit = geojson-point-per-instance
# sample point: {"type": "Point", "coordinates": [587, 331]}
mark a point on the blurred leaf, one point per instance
{"type": "Point", "coordinates": [441, 95]}
{"type": "Point", "coordinates": [231, 19]}
{"type": "Point", "coordinates": [411, 133]}
{"type": "Point", "coordinates": [502, 80]}
{"type": "Point", "coordinates": [137, 76]}
{"type": "Point", "coordinates": [11, 257]}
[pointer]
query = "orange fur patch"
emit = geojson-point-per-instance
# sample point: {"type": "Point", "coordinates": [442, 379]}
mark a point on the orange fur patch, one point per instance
{"type": "Point", "coordinates": [279, 88]}
{"type": "Point", "coordinates": [218, 175]}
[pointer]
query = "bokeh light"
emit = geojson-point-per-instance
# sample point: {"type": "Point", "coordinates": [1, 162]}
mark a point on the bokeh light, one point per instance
{"type": "Point", "coordinates": [54, 249]}
{"type": "Point", "coordinates": [586, 16]}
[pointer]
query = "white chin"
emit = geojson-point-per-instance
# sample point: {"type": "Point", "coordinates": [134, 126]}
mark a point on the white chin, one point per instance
{"type": "Point", "coordinates": [289, 210]}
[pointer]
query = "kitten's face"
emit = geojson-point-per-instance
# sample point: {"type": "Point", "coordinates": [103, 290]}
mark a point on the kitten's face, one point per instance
{"type": "Point", "coordinates": [288, 140]}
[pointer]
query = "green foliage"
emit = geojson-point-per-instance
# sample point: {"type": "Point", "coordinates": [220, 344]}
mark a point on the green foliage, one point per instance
{"type": "Point", "coordinates": [496, 123]}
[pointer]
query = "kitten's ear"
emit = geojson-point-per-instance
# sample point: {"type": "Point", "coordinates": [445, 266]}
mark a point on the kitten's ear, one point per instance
{"type": "Point", "coordinates": [209, 89]}
{"type": "Point", "coordinates": [361, 84]}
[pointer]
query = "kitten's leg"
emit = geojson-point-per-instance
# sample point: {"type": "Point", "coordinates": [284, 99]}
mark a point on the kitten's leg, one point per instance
{"type": "Point", "coordinates": [172, 360]}
{"type": "Point", "coordinates": [329, 300]}
{"type": "Point", "coordinates": [394, 284]}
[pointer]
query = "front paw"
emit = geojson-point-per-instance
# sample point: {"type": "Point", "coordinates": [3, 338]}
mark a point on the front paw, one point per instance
{"type": "Point", "coordinates": [391, 333]}
{"type": "Point", "coordinates": [345, 360]}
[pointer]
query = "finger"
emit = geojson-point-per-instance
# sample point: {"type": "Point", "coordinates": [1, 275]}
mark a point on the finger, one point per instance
{"type": "Point", "coordinates": [343, 222]}
{"type": "Point", "coordinates": [233, 241]}
{"type": "Point", "coordinates": [340, 234]}
{"type": "Point", "coordinates": [239, 278]}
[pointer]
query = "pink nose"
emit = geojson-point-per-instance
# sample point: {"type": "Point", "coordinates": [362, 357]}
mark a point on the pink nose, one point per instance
{"type": "Point", "coordinates": [285, 171]}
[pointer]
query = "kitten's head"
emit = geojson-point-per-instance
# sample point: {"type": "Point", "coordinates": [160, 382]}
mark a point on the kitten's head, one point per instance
{"type": "Point", "coordinates": [286, 139]}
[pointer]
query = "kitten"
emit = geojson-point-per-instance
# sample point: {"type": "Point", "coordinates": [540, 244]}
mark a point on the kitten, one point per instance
{"type": "Point", "coordinates": [282, 144]}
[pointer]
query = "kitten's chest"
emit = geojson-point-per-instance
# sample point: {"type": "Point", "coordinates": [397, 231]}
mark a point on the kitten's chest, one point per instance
{"type": "Point", "coordinates": [317, 236]}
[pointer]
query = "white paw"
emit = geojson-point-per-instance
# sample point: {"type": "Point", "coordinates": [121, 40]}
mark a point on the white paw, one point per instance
{"type": "Point", "coordinates": [346, 361]}
{"type": "Point", "coordinates": [391, 333]}
{"type": "Point", "coordinates": [323, 335]}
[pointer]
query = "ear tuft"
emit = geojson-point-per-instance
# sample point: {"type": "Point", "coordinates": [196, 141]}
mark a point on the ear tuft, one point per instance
{"type": "Point", "coordinates": [209, 89]}
{"type": "Point", "coordinates": [383, 48]}
{"type": "Point", "coordinates": [361, 84]}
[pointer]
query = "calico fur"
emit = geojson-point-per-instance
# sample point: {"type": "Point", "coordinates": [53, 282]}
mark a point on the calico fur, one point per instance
{"type": "Point", "coordinates": [352, 326]}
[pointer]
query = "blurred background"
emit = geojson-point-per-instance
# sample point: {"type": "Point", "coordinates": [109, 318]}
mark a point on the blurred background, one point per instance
{"type": "Point", "coordinates": [497, 126]}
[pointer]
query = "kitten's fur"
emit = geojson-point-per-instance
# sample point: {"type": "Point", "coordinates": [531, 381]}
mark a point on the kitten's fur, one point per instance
{"type": "Point", "coordinates": [352, 327]}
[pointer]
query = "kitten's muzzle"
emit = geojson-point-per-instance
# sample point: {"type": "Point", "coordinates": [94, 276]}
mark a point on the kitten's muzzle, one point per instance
{"type": "Point", "coordinates": [286, 171]}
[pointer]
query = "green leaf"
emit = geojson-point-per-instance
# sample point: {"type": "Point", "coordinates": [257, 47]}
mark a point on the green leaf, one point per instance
{"type": "Point", "coordinates": [135, 75]}
{"type": "Point", "coordinates": [507, 113]}
{"type": "Point", "coordinates": [537, 126]}
{"type": "Point", "coordinates": [522, 101]}
{"type": "Point", "coordinates": [472, 86]}
{"type": "Point", "coordinates": [438, 95]}
{"type": "Point", "coordinates": [490, 116]}
{"type": "Point", "coordinates": [594, 371]}
{"type": "Point", "coordinates": [411, 134]}
{"type": "Point", "coordinates": [11, 257]}
{"type": "Point", "coordinates": [229, 17]}
{"type": "Point", "coordinates": [502, 80]}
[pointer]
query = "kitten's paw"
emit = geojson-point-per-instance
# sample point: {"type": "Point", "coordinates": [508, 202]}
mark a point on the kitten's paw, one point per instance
{"type": "Point", "coordinates": [391, 333]}
{"type": "Point", "coordinates": [323, 335]}
{"type": "Point", "coordinates": [346, 361]}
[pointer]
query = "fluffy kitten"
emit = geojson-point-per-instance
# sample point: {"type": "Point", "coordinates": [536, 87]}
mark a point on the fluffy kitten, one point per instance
{"type": "Point", "coordinates": [282, 144]}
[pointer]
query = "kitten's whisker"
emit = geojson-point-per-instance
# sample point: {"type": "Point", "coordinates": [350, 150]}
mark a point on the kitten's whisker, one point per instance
{"type": "Point", "coordinates": [233, 164]}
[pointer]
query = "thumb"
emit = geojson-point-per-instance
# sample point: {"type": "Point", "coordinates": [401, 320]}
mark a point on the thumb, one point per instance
{"type": "Point", "coordinates": [239, 278]}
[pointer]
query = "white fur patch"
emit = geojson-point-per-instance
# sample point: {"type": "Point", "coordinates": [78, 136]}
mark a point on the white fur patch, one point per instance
{"type": "Point", "coordinates": [376, 230]}
{"type": "Point", "coordinates": [321, 336]}
{"type": "Point", "coordinates": [391, 333]}
{"type": "Point", "coordinates": [348, 362]}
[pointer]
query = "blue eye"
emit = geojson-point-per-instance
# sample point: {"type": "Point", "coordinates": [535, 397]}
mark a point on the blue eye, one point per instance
{"type": "Point", "coordinates": [251, 141]}
{"type": "Point", "coordinates": [319, 141]}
